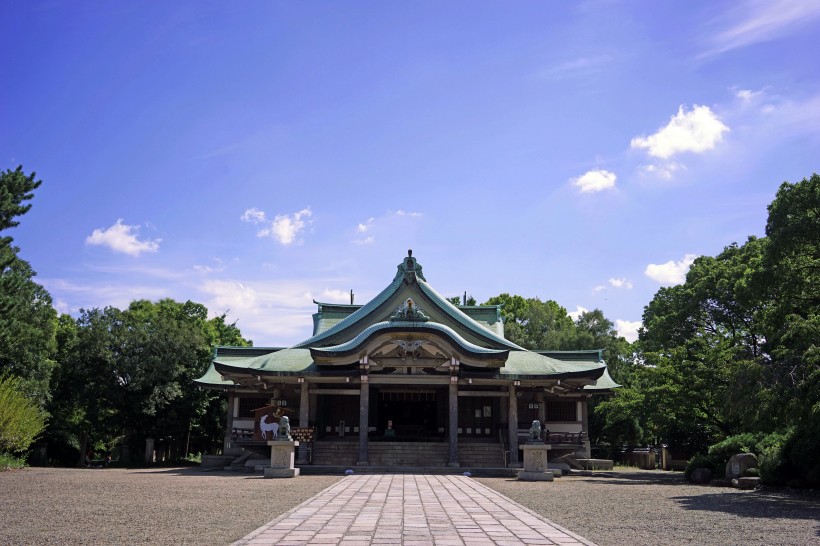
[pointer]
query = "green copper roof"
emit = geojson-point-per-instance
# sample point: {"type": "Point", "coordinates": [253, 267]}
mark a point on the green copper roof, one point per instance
{"type": "Point", "coordinates": [286, 361]}
{"type": "Point", "coordinates": [408, 283]}
{"type": "Point", "coordinates": [212, 378]}
{"type": "Point", "coordinates": [528, 364]}
{"type": "Point", "coordinates": [407, 326]}
{"type": "Point", "coordinates": [341, 330]}
{"type": "Point", "coordinates": [603, 383]}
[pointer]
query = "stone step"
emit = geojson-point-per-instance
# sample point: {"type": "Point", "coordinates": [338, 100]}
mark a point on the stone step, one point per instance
{"type": "Point", "coordinates": [400, 454]}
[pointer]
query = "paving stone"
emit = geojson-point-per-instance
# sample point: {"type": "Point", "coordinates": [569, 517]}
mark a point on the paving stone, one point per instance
{"type": "Point", "coordinates": [408, 509]}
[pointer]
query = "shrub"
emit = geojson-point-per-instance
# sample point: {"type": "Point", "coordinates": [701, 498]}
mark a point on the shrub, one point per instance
{"type": "Point", "coordinates": [751, 473]}
{"type": "Point", "coordinates": [802, 453]}
{"type": "Point", "coordinates": [700, 461]}
{"type": "Point", "coordinates": [773, 467]}
{"type": "Point", "coordinates": [720, 453]}
{"type": "Point", "coordinates": [21, 419]}
{"type": "Point", "coordinates": [8, 462]}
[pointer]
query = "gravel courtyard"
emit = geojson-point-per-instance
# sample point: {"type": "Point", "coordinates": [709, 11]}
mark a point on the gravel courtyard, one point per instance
{"type": "Point", "coordinates": [187, 506]}
{"type": "Point", "coordinates": [656, 507]}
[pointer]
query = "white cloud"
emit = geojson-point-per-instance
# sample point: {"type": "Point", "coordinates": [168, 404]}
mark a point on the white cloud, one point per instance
{"type": "Point", "coordinates": [334, 295]}
{"type": "Point", "coordinates": [369, 240]}
{"type": "Point", "coordinates": [408, 213]}
{"type": "Point", "coordinates": [363, 228]}
{"type": "Point", "coordinates": [696, 131]}
{"type": "Point", "coordinates": [621, 283]}
{"type": "Point", "coordinates": [628, 329]}
{"type": "Point", "coordinates": [598, 288]}
{"type": "Point", "coordinates": [75, 296]}
{"type": "Point", "coordinates": [122, 238]}
{"type": "Point", "coordinates": [253, 215]}
{"type": "Point", "coordinates": [662, 170]}
{"type": "Point", "coordinates": [671, 272]}
{"type": "Point", "coordinates": [754, 21]}
{"type": "Point", "coordinates": [747, 95]}
{"type": "Point", "coordinates": [278, 310]}
{"type": "Point", "coordinates": [595, 180]}
{"type": "Point", "coordinates": [284, 228]}
{"type": "Point", "coordinates": [582, 66]}
{"type": "Point", "coordinates": [220, 266]}
{"type": "Point", "coordinates": [578, 312]}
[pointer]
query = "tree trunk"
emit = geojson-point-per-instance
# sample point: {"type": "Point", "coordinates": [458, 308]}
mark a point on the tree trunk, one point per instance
{"type": "Point", "coordinates": [188, 440]}
{"type": "Point", "coordinates": [83, 448]}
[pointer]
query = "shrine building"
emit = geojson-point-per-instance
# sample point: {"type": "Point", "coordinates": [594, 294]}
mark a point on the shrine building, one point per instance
{"type": "Point", "coordinates": [407, 379]}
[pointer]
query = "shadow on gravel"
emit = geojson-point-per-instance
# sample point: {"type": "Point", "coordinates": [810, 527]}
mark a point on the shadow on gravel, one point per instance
{"type": "Point", "coordinates": [754, 505]}
{"type": "Point", "coordinates": [197, 472]}
{"type": "Point", "coordinates": [635, 478]}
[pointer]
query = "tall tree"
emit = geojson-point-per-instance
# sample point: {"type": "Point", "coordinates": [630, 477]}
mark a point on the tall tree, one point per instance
{"type": "Point", "coordinates": [533, 323]}
{"type": "Point", "coordinates": [129, 374]}
{"type": "Point", "coordinates": [27, 319]}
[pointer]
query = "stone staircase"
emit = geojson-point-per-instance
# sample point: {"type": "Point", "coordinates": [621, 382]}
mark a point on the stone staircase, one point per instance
{"type": "Point", "coordinates": [480, 455]}
{"type": "Point", "coordinates": [408, 454]}
{"type": "Point", "coordinates": [335, 453]}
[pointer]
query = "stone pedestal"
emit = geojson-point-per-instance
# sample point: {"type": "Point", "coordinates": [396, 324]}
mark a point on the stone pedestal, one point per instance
{"type": "Point", "coordinates": [281, 459]}
{"type": "Point", "coordinates": [535, 463]}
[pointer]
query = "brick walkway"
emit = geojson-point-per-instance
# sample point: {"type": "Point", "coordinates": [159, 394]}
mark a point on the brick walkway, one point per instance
{"type": "Point", "coordinates": [409, 509]}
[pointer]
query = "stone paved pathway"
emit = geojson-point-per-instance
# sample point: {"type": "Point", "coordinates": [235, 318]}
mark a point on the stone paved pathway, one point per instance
{"type": "Point", "coordinates": [410, 509]}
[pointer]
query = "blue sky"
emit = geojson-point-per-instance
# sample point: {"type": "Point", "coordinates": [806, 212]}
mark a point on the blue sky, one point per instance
{"type": "Point", "coordinates": [257, 156]}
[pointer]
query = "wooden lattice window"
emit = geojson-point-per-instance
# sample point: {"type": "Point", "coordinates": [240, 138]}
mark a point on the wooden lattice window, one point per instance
{"type": "Point", "coordinates": [247, 405]}
{"type": "Point", "coordinates": [562, 411]}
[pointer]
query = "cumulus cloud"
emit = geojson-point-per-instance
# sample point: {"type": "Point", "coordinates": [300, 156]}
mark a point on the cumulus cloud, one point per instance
{"type": "Point", "coordinates": [284, 228]}
{"type": "Point", "coordinates": [697, 131]}
{"type": "Point", "coordinates": [595, 180]}
{"type": "Point", "coordinates": [578, 312]}
{"type": "Point", "coordinates": [628, 328]}
{"type": "Point", "coordinates": [279, 310]}
{"type": "Point", "coordinates": [621, 283]}
{"type": "Point", "coordinates": [598, 288]}
{"type": "Point", "coordinates": [122, 238]}
{"type": "Point", "coordinates": [671, 272]}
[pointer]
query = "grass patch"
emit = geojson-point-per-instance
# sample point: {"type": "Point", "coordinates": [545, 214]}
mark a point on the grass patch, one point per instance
{"type": "Point", "coordinates": [10, 462]}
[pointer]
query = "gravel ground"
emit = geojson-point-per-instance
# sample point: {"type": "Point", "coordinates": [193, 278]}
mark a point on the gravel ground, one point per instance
{"type": "Point", "coordinates": [187, 506]}
{"type": "Point", "coordinates": [649, 507]}
{"type": "Point", "coordinates": [120, 506]}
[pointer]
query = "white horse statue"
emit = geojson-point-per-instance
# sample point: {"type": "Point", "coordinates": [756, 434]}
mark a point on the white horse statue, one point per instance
{"type": "Point", "coordinates": [264, 427]}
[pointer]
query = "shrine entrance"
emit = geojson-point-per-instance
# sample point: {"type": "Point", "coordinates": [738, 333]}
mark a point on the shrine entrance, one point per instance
{"type": "Point", "coordinates": [409, 416]}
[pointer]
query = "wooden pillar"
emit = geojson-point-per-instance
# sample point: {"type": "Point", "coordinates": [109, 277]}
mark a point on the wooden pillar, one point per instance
{"type": "Point", "coordinates": [364, 411]}
{"type": "Point", "coordinates": [304, 416]}
{"type": "Point", "coordinates": [304, 405]}
{"type": "Point", "coordinates": [542, 410]}
{"type": "Point", "coordinates": [512, 424]}
{"type": "Point", "coordinates": [228, 441]}
{"type": "Point", "coordinates": [453, 421]}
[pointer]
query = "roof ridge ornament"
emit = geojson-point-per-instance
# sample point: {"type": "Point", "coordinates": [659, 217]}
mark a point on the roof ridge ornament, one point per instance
{"type": "Point", "coordinates": [409, 311]}
{"type": "Point", "coordinates": [410, 269]}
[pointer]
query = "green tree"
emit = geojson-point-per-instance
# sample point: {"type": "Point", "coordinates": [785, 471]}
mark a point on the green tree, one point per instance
{"type": "Point", "coordinates": [21, 419]}
{"type": "Point", "coordinates": [127, 375]}
{"type": "Point", "coordinates": [27, 319]}
{"type": "Point", "coordinates": [456, 300]}
{"type": "Point", "coordinates": [535, 324]}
